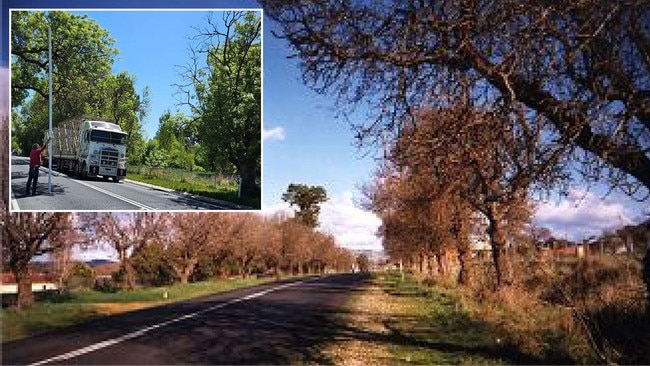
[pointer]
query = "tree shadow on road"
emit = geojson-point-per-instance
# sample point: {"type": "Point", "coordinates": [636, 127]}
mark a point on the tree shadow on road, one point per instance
{"type": "Point", "coordinates": [298, 330]}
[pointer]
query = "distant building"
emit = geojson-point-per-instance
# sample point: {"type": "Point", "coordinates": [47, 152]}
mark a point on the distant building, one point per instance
{"type": "Point", "coordinates": [41, 281]}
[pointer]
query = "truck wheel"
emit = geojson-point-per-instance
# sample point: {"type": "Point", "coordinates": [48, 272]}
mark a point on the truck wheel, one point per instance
{"type": "Point", "coordinates": [84, 171]}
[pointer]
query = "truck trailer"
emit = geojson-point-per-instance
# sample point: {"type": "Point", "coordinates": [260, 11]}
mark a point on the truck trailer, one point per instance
{"type": "Point", "coordinates": [89, 146]}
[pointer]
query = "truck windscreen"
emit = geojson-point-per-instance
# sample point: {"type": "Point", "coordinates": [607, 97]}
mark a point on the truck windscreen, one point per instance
{"type": "Point", "coordinates": [109, 137]}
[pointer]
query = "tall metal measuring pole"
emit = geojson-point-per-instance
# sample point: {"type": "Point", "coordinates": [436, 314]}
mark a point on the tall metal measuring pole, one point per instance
{"type": "Point", "coordinates": [49, 148]}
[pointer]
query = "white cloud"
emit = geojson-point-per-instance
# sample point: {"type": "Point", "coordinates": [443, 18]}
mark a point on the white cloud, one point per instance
{"type": "Point", "coordinates": [275, 133]}
{"type": "Point", "coordinates": [583, 214]}
{"type": "Point", "coordinates": [352, 226]}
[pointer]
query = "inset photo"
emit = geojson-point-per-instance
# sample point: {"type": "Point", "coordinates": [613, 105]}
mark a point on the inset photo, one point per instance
{"type": "Point", "coordinates": [128, 110]}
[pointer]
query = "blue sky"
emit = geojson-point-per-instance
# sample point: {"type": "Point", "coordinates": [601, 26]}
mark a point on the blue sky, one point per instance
{"type": "Point", "coordinates": [303, 140]}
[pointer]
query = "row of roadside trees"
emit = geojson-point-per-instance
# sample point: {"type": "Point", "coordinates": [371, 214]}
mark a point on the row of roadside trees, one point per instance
{"type": "Point", "coordinates": [162, 248]}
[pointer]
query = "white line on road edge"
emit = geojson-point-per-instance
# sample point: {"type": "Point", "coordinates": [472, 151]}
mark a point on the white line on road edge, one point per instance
{"type": "Point", "coordinates": [137, 333]}
{"type": "Point", "coordinates": [122, 198]}
{"type": "Point", "coordinates": [14, 203]}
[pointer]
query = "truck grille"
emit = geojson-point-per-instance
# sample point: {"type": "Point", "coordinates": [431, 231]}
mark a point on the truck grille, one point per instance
{"type": "Point", "coordinates": [109, 157]}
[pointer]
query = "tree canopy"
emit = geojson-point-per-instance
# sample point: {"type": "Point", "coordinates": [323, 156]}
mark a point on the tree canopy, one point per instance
{"type": "Point", "coordinates": [308, 199]}
{"type": "Point", "coordinates": [82, 59]}
{"type": "Point", "coordinates": [579, 70]}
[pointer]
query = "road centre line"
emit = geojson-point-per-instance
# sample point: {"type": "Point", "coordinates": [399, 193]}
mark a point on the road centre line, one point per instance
{"type": "Point", "coordinates": [137, 333]}
{"type": "Point", "coordinates": [115, 195]}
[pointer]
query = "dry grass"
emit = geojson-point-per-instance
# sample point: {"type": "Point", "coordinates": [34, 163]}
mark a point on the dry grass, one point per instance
{"type": "Point", "coordinates": [112, 308]}
{"type": "Point", "coordinates": [367, 312]}
{"type": "Point", "coordinates": [394, 322]}
{"type": "Point", "coordinates": [585, 311]}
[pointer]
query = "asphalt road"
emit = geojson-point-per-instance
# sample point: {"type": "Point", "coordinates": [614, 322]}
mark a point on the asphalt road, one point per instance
{"type": "Point", "coordinates": [286, 322]}
{"type": "Point", "coordinates": [71, 194]}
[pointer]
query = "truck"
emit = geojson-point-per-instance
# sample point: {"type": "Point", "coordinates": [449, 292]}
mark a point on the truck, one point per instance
{"type": "Point", "coordinates": [89, 146]}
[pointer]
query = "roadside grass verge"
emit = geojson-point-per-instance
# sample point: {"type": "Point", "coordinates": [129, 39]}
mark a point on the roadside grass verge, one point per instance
{"type": "Point", "coordinates": [412, 322]}
{"type": "Point", "coordinates": [213, 186]}
{"type": "Point", "coordinates": [80, 306]}
{"type": "Point", "coordinates": [429, 326]}
{"type": "Point", "coordinates": [176, 292]}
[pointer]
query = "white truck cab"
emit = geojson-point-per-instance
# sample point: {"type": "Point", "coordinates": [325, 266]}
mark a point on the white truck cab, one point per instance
{"type": "Point", "coordinates": [102, 150]}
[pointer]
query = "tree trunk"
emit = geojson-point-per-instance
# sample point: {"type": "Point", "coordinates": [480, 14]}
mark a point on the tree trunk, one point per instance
{"type": "Point", "coordinates": [498, 245]}
{"type": "Point", "coordinates": [24, 281]}
{"type": "Point", "coordinates": [278, 271]}
{"type": "Point", "coordinates": [127, 268]}
{"type": "Point", "coordinates": [130, 275]}
{"type": "Point", "coordinates": [187, 273]}
{"type": "Point", "coordinates": [464, 259]}
{"type": "Point", "coordinates": [430, 266]}
{"type": "Point", "coordinates": [421, 260]}
{"type": "Point", "coordinates": [248, 186]}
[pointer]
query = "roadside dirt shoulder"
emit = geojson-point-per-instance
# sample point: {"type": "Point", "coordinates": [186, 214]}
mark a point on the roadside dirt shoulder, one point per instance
{"type": "Point", "coordinates": [367, 312]}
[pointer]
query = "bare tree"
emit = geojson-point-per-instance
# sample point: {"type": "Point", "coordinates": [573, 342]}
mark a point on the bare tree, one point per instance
{"type": "Point", "coordinates": [126, 232]}
{"type": "Point", "coordinates": [27, 235]}
{"type": "Point", "coordinates": [583, 67]}
{"type": "Point", "coordinates": [187, 240]}
{"type": "Point", "coordinates": [486, 165]}
{"type": "Point", "coordinates": [245, 242]}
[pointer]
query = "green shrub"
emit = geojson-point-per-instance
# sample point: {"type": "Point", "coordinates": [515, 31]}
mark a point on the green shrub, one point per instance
{"type": "Point", "coordinates": [81, 276]}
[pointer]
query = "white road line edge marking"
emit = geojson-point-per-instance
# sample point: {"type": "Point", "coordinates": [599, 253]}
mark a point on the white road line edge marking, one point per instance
{"type": "Point", "coordinates": [14, 203]}
{"type": "Point", "coordinates": [137, 333]}
{"type": "Point", "coordinates": [115, 195]}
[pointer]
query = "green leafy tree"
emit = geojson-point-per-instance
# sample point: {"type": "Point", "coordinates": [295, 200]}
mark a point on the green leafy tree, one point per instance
{"type": "Point", "coordinates": [177, 137]}
{"type": "Point", "coordinates": [116, 98]}
{"type": "Point", "coordinates": [154, 156]}
{"type": "Point", "coordinates": [82, 58]}
{"type": "Point", "coordinates": [81, 276]}
{"type": "Point", "coordinates": [228, 93]}
{"type": "Point", "coordinates": [29, 123]}
{"type": "Point", "coordinates": [150, 266]}
{"type": "Point", "coordinates": [82, 54]}
{"type": "Point", "coordinates": [17, 129]}
{"type": "Point", "coordinates": [308, 200]}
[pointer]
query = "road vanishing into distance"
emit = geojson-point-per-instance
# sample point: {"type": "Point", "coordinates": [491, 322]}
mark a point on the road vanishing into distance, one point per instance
{"type": "Point", "coordinates": [285, 322]}
{"type": "Point", "coordinates": [72, 194]}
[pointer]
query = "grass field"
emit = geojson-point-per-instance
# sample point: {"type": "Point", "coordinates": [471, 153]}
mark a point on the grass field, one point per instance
{"type": "Point", "coordinates": [76, 307]}
{"type": "Point", "coordinates": [213, 186]}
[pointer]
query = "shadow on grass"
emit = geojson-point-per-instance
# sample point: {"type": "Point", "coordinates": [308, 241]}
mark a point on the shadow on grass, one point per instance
{"type": "Point", "coordinates": [444, 327]}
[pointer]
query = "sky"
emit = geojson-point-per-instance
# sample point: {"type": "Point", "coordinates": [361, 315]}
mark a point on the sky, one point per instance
{"type": "Point", "coordinates": [303, 141]}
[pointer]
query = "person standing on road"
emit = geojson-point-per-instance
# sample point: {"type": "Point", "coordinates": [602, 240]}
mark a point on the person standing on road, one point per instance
{"type": "Point", "coordinates": [34, 165]}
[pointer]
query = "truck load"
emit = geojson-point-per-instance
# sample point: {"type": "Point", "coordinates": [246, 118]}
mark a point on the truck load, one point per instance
{"type": "Point", "coordinates": [89, 146]}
